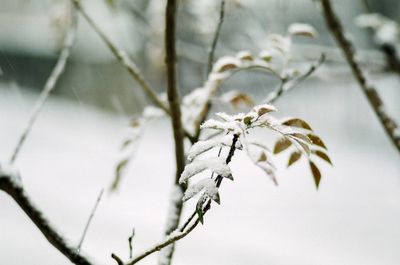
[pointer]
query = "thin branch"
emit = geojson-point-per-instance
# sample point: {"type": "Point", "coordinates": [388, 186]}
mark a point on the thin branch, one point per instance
{"type": "Point", "coordinates": [176, 119]}
{"type": "Point", "coordinates": [130, 238]}
{"type": "Point", "coordinates": [128, 64]}
{"type": "Point", "coordinates": [216, 36]}
{"type": "Point", "coordinates": [370, 92]}
{"type": "Point", "coordinates": [50, 84]}
{"type": "Point", "coordinates": [16, 191]}
{"type": "Point", "coordinates": [117, 259]}
{"type": "Point", "coordinates": [286, 86]}
{"type": "Point", "coordinates": [89, 220]}
{"type": "Point", "coordinates": [123, 58]}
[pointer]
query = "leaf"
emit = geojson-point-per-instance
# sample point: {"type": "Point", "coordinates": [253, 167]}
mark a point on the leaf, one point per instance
{"type": "Point", "coordinates": [316, 140]}
{"type": "Point", "coordinates": [264, 108]}
{"type": "Point", "coordinates": [302, 137]}
{"type": "Point", "coordinates": [217, 165]}
{"type": "Point", "coordinates": [236, 98]}
{"type": "Point", "coordinates": [305, 146]}
{"type": "Point", "coordinates": [281, 145]}
{"type": "Point", "coordinates": [199, 208]}
{"type": "Point", "coordinates": [294, 157]}
{"type": "Point", "coordinates": [323, 156]}
{"type": "Point", "coordinates": [208, 185]}
{"type": "Point", "coordinates": [316, 173]}
{"type": "Point", "coordinates": [296, 122]}
{"type": "Point", "coordinates": [302, 30]}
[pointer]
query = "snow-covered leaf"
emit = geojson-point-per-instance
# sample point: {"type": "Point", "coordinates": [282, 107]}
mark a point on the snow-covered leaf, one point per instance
{"type": "Point", "coordinates": [302, 29]}
{"type": "Point", "coordinates": [209, 187]}
{"type": "Point", "coordinates": [217, 165]}
{"type": "Point", "coordinates": [264, 108]}
{"type": "Point", "coordinates": [201, 147]}
{"type": "Point", "coordinates": [226, 63]}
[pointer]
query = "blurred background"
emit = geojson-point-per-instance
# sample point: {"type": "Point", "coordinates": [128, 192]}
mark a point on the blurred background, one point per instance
{"type": "Point", "coordinates": [74, 146]}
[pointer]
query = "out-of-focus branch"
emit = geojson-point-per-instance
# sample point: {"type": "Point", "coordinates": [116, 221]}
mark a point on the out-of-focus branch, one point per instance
{"type": "Point", "coordinates": [51, 82]}
{"type": "Point", "coordinates": [176, 204]}
{"type": "Point", "coordinates": [128, 64]}
{"type": "Point", "coordinates": [286, 86]}
{"type": "Point", "coordinates": [370, 92]}
{"type": "Point", "coordinates": [10, 185]}
{"type": "Point", "coordinates": [216, 36]}
{"type": "Point", "coordinates": [90, 219]}
{"type": "Point", "coordinates": [123, 58]}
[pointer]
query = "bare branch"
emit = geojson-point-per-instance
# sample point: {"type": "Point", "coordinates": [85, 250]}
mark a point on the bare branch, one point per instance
{"type": "Point", "coordinates": [16, 191]}
{"type": "Point", "coordinates": [370, 92]}
{"type": "Point", "coordinates": [51, 82]}
{"type": "Point", "coordinates": [89, 220]}
{"type": "Point", "coordinates": [216, 36]}
{"type": "Point", "coordinates": [123, 58]}
{"type": "Point", "coordinates": [286, 86]}
{"type": "Point", "coordinates": [176, 119]}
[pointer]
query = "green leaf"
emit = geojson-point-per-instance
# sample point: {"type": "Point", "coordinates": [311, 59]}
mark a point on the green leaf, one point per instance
{"type": "Point", "coordinates": [294, 157]}
{"type": "Point", "coordinates": [323, 156]}
{"type": "Point", "coordinates": [295, 122]}
{"type": "Point", "coordinates": [316, 173]}
{"type": "Point", "coordinates": [317, 141]}
{"type": "Point", "coordinates": [281, 145]}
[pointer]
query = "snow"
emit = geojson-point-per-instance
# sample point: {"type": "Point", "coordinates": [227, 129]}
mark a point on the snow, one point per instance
{"type": "Point", "coordinates": [386, 30]}
{"type": "Point", "coordinates": [12, 174]}
{"type": "Point", "coordinates": [208, 185]}
{"type": "Point", "coordinates": [201, 147]}
{"type": "Point", "coordinates": [352, 219]}
{"type": "Point", "coordinates": [226, 63]}
{"type": "Point", "coordinates": [302, 29]}
{"type": "Point", "coordinates": [216, 165]}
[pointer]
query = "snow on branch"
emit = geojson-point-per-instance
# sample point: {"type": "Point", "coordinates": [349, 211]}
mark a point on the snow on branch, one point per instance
{"type": "Point", "coordinates": [10, 183]}
{"type": "Point", "coordinates": [336, 28]}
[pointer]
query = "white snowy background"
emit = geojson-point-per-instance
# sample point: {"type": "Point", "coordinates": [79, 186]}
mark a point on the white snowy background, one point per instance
{"type": "Point", "coordinates": [70, 156]}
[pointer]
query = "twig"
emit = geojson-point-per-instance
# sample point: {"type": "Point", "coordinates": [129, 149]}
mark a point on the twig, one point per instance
{"type": "Point", "coordinates": [370, 92]}
{"type": "Point", "coordinates": [216, 36]}
{"type": "Point", "coordinates": [123, 58]}
{"type": "Point", "coordinates": [90, 219]}
{"type": "Point", "coordinates": [50, 233]}
{"type": "Point", "coordinates": [130, 238]}
{"type": "Point", "coordinates": [176, 119]}
{"type": "Point", "coordinates": [117, 259]}
{"type": "Point", "coordinates": [286, 86]}
{"type": "Point", "coordinates": [51, 82]}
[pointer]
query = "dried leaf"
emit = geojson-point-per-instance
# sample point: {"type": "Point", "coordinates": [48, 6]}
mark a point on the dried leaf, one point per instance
{"type": "Point", "coordinates": [281, 145]}
{"type": "Point", "coordinates": [316, 173]}
{"type": "Point", "coordinates": [316, 140]}
{"type": "Point", "coordinates": [296, 122]}
{"type": "Point", "coordinates": [294, 157]}
{"type": "Point", "coordinates": [302, 137]}
{"type": "Point", "coordinates": [323, 156]}
{"type": "Point", "coordinates": [302, 29]}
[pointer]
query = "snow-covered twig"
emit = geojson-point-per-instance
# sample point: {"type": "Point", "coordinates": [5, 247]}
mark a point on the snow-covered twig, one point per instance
{"type": "Point", "coordinates": [11, 184]}
{"type": "Point", "coordinates": [90, 219]}
{"type": "Point", "coordinates": [370, 92]}
{"type": "Point", "coordinates": [51, 82]}
{"type": "Point", "coordinates": [216, 36]}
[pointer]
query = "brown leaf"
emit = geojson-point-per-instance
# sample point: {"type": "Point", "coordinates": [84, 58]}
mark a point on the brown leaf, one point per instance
{"type": "Point", "coordinates": [295, 122]}
{"type": "Point", "coordinates": [294, 157]}
{"type": "Point", "coordinates": [281, 145]}
{"type": "Point", "coordinates": [302, 137]}
{"type": "Point", "coordinates": [316, 173]}
{"type": "Point", "coordinates": [262, 158]}
{"type": "Point", "coordinates": [317, 141]}
{"type": "Point", "coordinates": [241, 98]}
{"type": "Point", "coordinates": [323, 156]}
